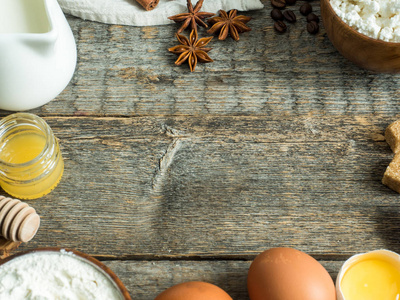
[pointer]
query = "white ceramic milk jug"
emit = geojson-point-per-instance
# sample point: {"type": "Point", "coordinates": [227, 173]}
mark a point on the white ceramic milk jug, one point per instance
{"type": "Point", "coordinates": [37, 53]}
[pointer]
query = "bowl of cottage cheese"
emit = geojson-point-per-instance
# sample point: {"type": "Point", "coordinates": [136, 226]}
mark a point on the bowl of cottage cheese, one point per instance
{"type": "Point", "coordinates": [58, 274]}
{"type": "Point", "coordinates": [367, 32]}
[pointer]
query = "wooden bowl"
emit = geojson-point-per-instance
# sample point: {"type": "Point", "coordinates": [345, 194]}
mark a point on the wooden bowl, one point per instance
{"type": "Point", "coordinates": [86, 258]}
{"type": "Point", "coordinates": [366, 52]}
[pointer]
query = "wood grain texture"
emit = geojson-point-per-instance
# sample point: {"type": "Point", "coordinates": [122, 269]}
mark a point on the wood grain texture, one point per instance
{"type": "Point", "coordinates": [173, 176]}
{"type": "Point", "coordinates": [220, 186]}
{"type": "Point", "coordinates": [146, 279]}
{"type": "Point", "coordinates": [127, 71]}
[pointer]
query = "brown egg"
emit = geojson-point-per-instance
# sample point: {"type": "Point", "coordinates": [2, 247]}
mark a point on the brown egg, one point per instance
{"type": "Point", "coordinates": [194, 290]}
{"type": "Point", "coordinates": [288, 274]}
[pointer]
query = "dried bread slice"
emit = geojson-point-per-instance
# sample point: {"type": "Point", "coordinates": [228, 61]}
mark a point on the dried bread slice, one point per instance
{"type": "Point", "coordinates": [391, 178]}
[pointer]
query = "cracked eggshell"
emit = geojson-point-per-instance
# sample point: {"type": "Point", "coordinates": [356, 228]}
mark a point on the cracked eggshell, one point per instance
{"type": "Point", "coordinates": [288, 274]}
{"type": "Point", "coordinates": [194, 290]}
{"type": "Point", "coordinates": [384, 254]}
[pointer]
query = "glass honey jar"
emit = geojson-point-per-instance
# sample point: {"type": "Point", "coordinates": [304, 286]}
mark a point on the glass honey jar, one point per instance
{"type": "Point", "coordinates": [31, 164]}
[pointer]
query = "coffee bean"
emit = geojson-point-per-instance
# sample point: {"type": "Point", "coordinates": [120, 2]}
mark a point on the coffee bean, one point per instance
{"type": "Point", "coordinates": [289, 16]}
{"type": "Point", "coordinates": [280, 26]}
{"type": "Point", "coordinates": [305, 9]}
{"type": "Point", "coordinates": [312, 27]}
{"type": "Point", "coordinates": [276, 14]}
{"type": "Point", "coordinates": [278, 3]}
{"type": "Point", "coordinates": [312, 17]}
{"type": "Point", "coordinates": [290, 2]}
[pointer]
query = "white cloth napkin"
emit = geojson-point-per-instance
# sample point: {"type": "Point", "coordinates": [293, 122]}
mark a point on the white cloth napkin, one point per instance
{"type": "Point", "coordinates": [129, 12]}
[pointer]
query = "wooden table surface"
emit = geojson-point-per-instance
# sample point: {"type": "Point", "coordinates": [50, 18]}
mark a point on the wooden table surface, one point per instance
{"type": "Point", "coordinates": [173, 176]}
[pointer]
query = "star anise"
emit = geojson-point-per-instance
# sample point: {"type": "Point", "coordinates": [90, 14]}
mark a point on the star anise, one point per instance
{"type": "Point", "coordinates": [192, 50]}
{"type": "Point", "coordinates": [229, 22]}
{"type": "Point", "coordinates": [193, 17]}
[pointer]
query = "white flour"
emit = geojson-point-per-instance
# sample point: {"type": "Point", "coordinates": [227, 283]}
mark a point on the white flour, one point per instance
{"type": "Point", "coordinates": [54, 276]}
{"type": "Point", "coordinates": [379, 19]}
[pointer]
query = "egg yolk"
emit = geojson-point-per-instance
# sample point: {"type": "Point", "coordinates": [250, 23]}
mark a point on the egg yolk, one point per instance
{"type": "Point", "coordinates": [371, 279]}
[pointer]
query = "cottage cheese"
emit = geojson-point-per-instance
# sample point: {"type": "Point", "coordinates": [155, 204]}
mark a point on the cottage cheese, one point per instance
{"type": "Point", "coordinates": [379, 19]}
{"type": "Point", "coordinates": [54, 276]}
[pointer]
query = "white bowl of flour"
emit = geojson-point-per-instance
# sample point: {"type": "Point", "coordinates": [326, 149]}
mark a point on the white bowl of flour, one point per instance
{"type": "Point", "coordinates": [58, 274]}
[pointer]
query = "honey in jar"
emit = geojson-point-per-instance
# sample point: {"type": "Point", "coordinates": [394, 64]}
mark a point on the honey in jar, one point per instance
{"type": "Point", "coordinates": [31, 164]}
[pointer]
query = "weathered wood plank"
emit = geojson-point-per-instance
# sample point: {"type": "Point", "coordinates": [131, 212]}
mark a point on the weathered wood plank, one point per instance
{"type": "Point", "coordinates": [145, 280]}
{"type": "Point", "coordinates": [128, 71]}
{"type": "Point", "coordinates": [220, 186]}
{"type": "Point", "coordinates": [277, 143]}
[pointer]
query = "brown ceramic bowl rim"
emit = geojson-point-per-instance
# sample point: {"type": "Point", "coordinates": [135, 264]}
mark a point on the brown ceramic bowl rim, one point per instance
{"type": "Point", "coordinates": [85, 257]}
{"type": "Point", "coordinates": [361, 35]}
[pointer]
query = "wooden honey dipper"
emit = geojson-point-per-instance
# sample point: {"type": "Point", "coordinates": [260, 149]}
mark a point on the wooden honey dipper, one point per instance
{"type": "Point", "coordinates": [18, 221]}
